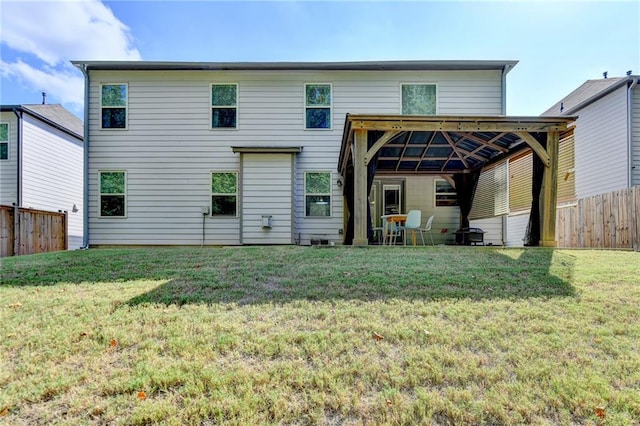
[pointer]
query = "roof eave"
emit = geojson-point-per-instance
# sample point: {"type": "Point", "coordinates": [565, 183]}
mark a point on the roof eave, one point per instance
{"type": "Point", "coordinates": [284, 66]}
{"type": "Point", "coordinates": [42, 118]}
{"type": "Point", "coordinates": [600, 94]}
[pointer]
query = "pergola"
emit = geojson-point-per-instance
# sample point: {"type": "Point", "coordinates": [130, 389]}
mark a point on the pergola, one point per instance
{"type": "Point", "coordinates": [456, 148]}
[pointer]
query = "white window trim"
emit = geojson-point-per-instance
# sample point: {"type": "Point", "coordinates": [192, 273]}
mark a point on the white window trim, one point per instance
{"type": "Point", "coordinates": [211, 194]}
{"type": "Point", "coordinates": [419, 83]}
{"type": "Point", "coordinates": [236, 107]}
{"type": "Point", "coordinates": [126, 108]}
{"type": "Point", "coordinates": [126, 209]}
{"type": "Point", "coordinates": [305, 106]}
{"type": "Point", "coordinates": [7, 141]}
{"type": "Point", "coordinates": [330, 194]}
{"type": "Point", "coordinates": [435, 193]}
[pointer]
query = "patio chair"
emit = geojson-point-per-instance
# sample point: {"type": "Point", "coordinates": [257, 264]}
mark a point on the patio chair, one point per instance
{"type": "Point", "coordinates": [414, 218]}
{"type": "Point", "coordinates": [427, 228]}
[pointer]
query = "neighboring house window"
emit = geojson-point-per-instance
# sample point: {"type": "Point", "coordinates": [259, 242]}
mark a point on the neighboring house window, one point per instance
{"type": "Point", "coordinates": [317, 102]}
{"type": "Point", "coordinates": [113, 194]}
{"type": "Point", "coordinates": [418, 99]}
{"type": "Point", "coordinates": [114, 106]}
{"type": "Point", "coordinates": [317, 191]}
{"type": "Point", "coordinates": [224, 193]}
{"type": "Point", "coordinates": [445, 194]}
{"type": "Point", "coordinates": [224, 106]}
{"type": "Point", "coordinates": [4, 141]}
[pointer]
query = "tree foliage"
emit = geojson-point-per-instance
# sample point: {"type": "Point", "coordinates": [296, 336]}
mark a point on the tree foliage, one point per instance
{"type": "Point", "coordinates": [114, 95]}
{"type": "Point", "coordinates": [418, 99]}
{"type": "Point", "coordinates": [318, 183]}
{"type": "Point", "coordinates": [112, 183]}
{"type": "Point", "coordinates": [4, 132]}
{"type": "Point", "coordinates": [224, 183]}
{"type": "Point", "coordinates": [223, 95]}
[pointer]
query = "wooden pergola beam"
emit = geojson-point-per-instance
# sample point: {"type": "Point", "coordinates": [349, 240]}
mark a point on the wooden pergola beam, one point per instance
{"type": "Point", "coordinates": [447, 126]}
{"type": "Point", "coordinates": [360, 196]}
{"type": "Point", "coordinates": [378, 145]}
{"type": "Point", "coordinates": [549, 193]}
{"type": "Point", "coordinates": [452, 144]}
{"type": "Point", "coordinates": [535, 146]}
{"type": "Point", "coordinates": [481, 141]}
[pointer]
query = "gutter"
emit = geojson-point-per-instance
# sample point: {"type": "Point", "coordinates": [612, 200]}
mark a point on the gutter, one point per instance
{"type": "Point", "coordinates": [629, 132]}
{"type": "Point", "coordinates": [18, 112]}
{"type": "Point", "coordinates": [85, 191]}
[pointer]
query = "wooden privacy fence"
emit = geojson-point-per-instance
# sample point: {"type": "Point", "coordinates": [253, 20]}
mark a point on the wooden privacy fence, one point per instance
{"type": "Point", "coordinates": [609, 220]}
{"type": "Point", "coordinates": [28, 231]}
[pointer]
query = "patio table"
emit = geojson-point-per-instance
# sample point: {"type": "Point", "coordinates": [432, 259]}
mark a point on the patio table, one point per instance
{"type": "Point", "coordinates": [391, 222]}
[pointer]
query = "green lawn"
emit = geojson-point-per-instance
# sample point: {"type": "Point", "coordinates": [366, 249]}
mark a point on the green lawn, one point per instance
{"type": "Point", "coordinates": [299, 335]}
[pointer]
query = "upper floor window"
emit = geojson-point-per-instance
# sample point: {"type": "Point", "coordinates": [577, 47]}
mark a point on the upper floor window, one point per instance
{"type": "Point", "coordinates": [4, 141]}
{"type": "Point", "coordinates": [113, 194]}
{"type": "Point", "coordinates": [418, 99]}
{"type": "Point", "coordinates": [317, 191]}
{"type": "Point", "coordinates": [224, 193]}
{"type": "Point", "coordinates": [224, 106]}
{"type": "Point", "coordinates": [114, 106]}
{"type": "Point", "coordinates": [445, 194]}
{"type": "Point", "coordinates": [317, 102]}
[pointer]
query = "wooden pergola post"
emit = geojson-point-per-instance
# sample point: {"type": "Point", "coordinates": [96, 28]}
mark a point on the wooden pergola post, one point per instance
{"type": "Point", "coordinates": [360, 196]}
{"type": "Point", "coordinates": [549, 193]}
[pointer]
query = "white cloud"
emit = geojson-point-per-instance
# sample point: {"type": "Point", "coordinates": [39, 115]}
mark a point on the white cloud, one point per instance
{"type": "Point", "coordinates": [66, 84]}
{"type": "Point", "coordinates": [56, 32]}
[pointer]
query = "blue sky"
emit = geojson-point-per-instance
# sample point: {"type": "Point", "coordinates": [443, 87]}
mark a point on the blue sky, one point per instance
{"type": "Point", "coordinates": [559, 44]}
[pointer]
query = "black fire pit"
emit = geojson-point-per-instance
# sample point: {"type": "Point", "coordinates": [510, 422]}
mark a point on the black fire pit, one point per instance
{"type": "Point", "coordinates": [469, 236]}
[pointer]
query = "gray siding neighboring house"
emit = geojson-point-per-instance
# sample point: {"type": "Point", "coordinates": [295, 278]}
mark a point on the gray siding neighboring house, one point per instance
{"type": "Point", "coordinates": [43, 168]}
{"type": "Point", "coordinates": [168, 148]}
{"type": "Point", "coordinates": [607, 134]}
{"type": "Point", "coordinates": [606, 148]}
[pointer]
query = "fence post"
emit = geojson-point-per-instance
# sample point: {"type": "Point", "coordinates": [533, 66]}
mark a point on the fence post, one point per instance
{"type": "Point", "coordinates": [66, 230]}
{"type": "Point", "coordinates": [16, 229]}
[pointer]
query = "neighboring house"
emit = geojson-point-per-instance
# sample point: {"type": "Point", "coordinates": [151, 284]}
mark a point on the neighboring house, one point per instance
{"type": "Point", "coordinates": [246, 153]}
{"type": "Point", "coordinates": [607, 134]}
{"type": "Point", "coordinates": [602, 155]}
{"type": "Point", "coordinates": [41, 162]}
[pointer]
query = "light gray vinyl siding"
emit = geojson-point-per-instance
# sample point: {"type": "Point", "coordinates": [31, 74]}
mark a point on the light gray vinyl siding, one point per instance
{"type": "Point", "coordinates": [635, 136]}
{"type": "Point", "coordinates": [493, 228]}
{"type": "Point", "coordinates": [420, 195]}
{"type": "Point", "coordinates": [52, 173]}
{"type": "Point", "coordinates": [601, 147]}
{"type": "Point", "coordinates": [9, 167]}
{"type": "Point", "coordinates": [169, 150]}
{"type": "Point", "coordinates": [516, 229]}
{"type": "Point", "coordinates": [267, 189]}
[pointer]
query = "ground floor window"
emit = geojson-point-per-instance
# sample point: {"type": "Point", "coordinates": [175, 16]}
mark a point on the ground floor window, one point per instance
{"type": "Point", "coordinates": [224, 193]}
{"type": "Point", "coordinates": [317, 191]}
{"type": "Point", "coordinates": [113, 193]}
{"type": "Point", "coordinates": [445, 194]}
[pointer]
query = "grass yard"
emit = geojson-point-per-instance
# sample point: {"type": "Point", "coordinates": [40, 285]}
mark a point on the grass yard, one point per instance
{"type": "Point", "coordinates": [298, 335]}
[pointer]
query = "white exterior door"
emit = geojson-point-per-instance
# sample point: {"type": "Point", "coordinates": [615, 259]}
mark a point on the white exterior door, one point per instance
{"type": "Point", "coordinates": [267, 198]}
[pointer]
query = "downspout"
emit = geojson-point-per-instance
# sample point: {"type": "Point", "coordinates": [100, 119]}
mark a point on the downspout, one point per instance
{"type": "Point", "coordinates": [18, 112]}
{"type": "Point", "coordinates": [503, 86]}
{"type": "Point", "coordinates": [629, 133]}
{"type": "Point", "coordinates": [85, 192]}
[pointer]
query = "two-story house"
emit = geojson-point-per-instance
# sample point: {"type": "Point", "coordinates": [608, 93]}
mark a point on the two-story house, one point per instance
{"type": "Point", "coordinates": [261, 153]}
{"type": "Point", "coordinates": [41, 162]}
